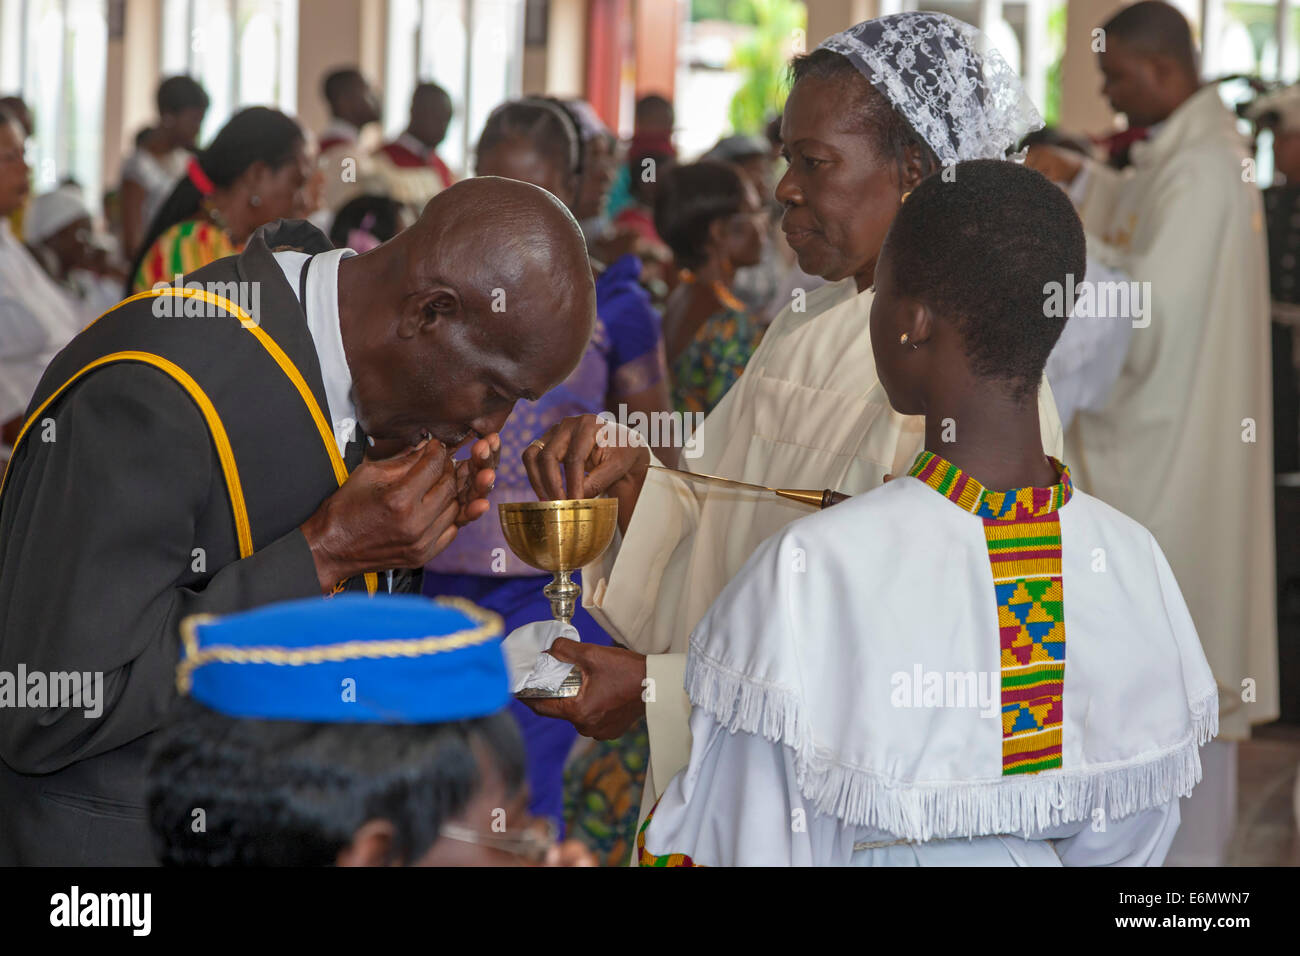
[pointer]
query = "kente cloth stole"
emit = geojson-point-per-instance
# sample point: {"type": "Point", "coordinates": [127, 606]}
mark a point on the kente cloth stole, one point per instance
{"type": "Point", "coordinates": [1023, 535]}
{"type": "Point", "coordinates": [645, 858]}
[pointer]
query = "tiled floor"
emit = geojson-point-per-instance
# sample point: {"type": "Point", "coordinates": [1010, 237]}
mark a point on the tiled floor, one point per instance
{"type": "Point", "coordinates": [1267, 767]}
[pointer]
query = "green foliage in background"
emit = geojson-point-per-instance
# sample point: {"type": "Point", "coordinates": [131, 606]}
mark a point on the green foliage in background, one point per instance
{"type": "Point", "coordinates": [736, 11]}
{"type": "Point", "coordinates": [1056, 47]}
{"type": "Point", "coordinates": [764, 60]}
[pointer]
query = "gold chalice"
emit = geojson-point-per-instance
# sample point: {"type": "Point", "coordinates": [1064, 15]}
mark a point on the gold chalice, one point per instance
{"type": "Point", "coordinates": [560, 537]}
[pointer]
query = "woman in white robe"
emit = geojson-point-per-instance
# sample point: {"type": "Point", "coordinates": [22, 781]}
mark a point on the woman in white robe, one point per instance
{"type": "Point", "coordinates": [36, 317]}
{"type": "Point", "coordinates": [848, 681]}
{"type": "Point", "coordinates": [865, 120]}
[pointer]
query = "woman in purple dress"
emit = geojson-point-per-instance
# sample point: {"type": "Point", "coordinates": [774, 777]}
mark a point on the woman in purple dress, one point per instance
{"type": "Point", "coordinates": [538, 141]}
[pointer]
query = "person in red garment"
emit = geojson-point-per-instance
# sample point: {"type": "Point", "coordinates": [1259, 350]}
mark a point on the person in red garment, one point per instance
{"type": "Point", "coordinates": [410, 164]}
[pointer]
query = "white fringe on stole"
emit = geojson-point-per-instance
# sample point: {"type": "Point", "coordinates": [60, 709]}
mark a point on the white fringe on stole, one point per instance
{"type": "Point", "coordinates": [918, 812]}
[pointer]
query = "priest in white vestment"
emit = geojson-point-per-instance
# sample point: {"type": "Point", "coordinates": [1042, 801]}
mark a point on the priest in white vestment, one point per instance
{"type": "Point", "coordinates": [934, 672]}
{"type": "Point", "coordinates": [1184, 442]}
{"type": "Point", "coordinates": [808, 411]}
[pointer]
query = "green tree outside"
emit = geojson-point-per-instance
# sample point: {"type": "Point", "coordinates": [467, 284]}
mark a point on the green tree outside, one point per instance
{"type": "Point", "coordinates": [764, 59]}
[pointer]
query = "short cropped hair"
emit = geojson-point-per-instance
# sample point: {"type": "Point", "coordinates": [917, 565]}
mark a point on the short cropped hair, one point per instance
{"type": "Point", "coordinates": [653, 106]}
{"type": "Point", "coordinates": [429, 90]}
{"type": "Point", "coordinates": [981, 250]}
{"type": "Point", "coordinates": [866, 109]}
{"type": "Point", "coordinates": [688, 200]}
{"type": "Point", "coordinates": [177, 93]}
{"type": "Point", "coordinates": [337, 83]}
{"type": "Point", "coordinates": [287, 793]}
{"type": "Point", "coordinates": [1153, 27]}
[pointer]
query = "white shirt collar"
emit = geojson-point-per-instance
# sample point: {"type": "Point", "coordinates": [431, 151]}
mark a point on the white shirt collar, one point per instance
{"type": "Point", "coordinates": [322, 309]}
{"type": "Point", "coordinates": [341, 129]}
{"type": "Point", "coordinates": [414, 145]}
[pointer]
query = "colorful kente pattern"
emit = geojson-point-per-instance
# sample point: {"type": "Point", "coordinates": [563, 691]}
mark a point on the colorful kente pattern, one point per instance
{"type": "Point", "coordinates": [1023, 534]}
{"type": "Point", "coordinates": [645, 858]}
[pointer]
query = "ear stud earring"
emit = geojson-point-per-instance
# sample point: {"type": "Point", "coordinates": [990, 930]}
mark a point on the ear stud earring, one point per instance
{"type": "Point", "coordinates": [902, 339]}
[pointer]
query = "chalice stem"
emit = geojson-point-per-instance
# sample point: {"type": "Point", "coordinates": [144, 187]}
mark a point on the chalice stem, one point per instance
{"type": "Point", "coordinates": [563, 592]}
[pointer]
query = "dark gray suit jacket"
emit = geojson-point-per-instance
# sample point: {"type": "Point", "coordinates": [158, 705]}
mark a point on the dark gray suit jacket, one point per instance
{"type": "Point", "coordinates": [99, 536]}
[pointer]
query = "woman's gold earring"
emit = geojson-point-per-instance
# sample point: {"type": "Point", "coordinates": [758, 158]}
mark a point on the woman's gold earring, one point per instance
{"type": "Point", "coordinates": [902, 199]}
{"type": "Point", "coordinates": [902, 339]}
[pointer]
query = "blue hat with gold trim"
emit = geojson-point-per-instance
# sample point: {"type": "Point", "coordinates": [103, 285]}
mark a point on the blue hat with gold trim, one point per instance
{"type": "Point", "coordinates": [396, 659]}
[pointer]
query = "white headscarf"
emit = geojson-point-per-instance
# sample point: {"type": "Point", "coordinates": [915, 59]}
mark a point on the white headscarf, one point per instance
{"type": "Point", "coordinates": [51, 211]}
{"type": "Point", "coordinates": [946, 79]}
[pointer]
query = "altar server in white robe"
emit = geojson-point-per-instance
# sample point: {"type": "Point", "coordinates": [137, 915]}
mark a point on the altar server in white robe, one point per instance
{"type": "Point", "coordinates": [871, 111]}
{"type": "Point", "coordinates": [1184, 441]}
{"type": "Point", "coordinates": [936, 672]}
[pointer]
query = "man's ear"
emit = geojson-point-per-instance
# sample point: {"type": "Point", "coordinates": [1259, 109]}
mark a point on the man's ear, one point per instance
{"type": "Point", "coordinates": [370, 845]}
{"type": "Point", "coordinates": [421, 312]}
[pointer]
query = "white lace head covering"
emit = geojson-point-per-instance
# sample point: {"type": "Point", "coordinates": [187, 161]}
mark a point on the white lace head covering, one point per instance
{"type": "Point", "coordinates": [946, 79]}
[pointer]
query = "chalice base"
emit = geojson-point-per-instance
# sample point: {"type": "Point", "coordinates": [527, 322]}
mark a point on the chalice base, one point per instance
{"type": "Point", "coordinates": [572, 684]}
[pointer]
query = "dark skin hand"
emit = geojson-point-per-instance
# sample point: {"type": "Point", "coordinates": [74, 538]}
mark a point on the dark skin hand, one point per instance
{"type": "Point", "coordinates": [575, 461]}
{"type": "Point", "coordinates": [397, 512]}
{"type": "Point", "coordinates": [434, 366]}
{"type": "Point", "coordinates": [840, 194]}
{"type": "Point", "coordinates": [574, 464]}
{"type": "Point", "coordinates": [610, 700]}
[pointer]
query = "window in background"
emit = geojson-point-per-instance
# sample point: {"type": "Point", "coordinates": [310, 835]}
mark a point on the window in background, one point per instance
{"type": "Point", "coordinates": [54, 54]}
{"type": "Point", "coordinates": [471, 48]}
{"type": "Point", "coordinates": [243, 52]}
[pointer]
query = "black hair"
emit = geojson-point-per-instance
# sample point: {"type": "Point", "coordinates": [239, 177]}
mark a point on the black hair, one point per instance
{"type": "Point", "coordinates": [177, 93]}
{"type": "Point", "coordinates": [337, 82]}
{"type": "Point", "coordinates": [772, 130]}
{"type": "Point", "coordinates": [580, 163]}
{"type": "Point", "coordinates": [287, 793]}
{"type": "Point", "coordinates": [429, 89]}
{"type": "Point", "coordinates": [651, 103]}
{"type": "Point", "coordinates": [253, 135]}
{"type": "Point", "coordinates": [688, 200]}
{"type": "Point", "coordinates": [1051, 136]}
{"type": "Point", "coordinates": [544, 122]}
{"type": "Point", "coordinates": [1152, 27]}
{"type": "Point", "coordinates": [871, 114]}
{"type": "Point", "coordinates": [16, 108]}
{"type": "Point", "coordinates": [983, 251]}
{"type": "Point", "coordinates": [385, 219]}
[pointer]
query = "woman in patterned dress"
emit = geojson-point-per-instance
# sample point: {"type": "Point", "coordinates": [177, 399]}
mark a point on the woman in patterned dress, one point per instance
{"type": "Point", "coordinates": [712, 219]}
{"type": "Point", "coordinates": [254, 172]}
{"type": "Point", "coordinates": [538, 141]}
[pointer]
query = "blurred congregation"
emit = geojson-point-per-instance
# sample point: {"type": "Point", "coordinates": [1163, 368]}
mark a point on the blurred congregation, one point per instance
{"type": "Point", "coordinates": [143, 140]}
